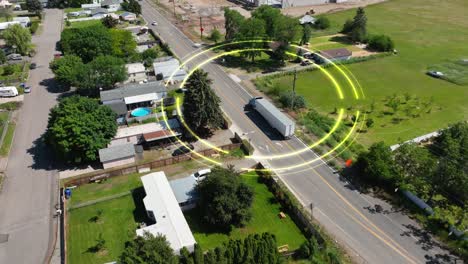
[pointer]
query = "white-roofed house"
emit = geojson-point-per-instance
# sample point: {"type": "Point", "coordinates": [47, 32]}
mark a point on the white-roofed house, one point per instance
{"type": "Point", "coordinates": [136, 72]}
{"type": "Point", "coordinates": [24, 21]}
{"type": "Point", "coordinates": [5, 25]}
{"type": "Point", "coordinates": [162, 207]}
{"type": "Point", "coordinates": [128, 16]}
{"type": "Point", "coordinates": [135, 95]}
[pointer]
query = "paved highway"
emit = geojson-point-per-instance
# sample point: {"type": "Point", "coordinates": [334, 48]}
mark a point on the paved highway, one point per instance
{"type": "Point", "coordinates": [28, 196]}
{"type": "Point", "coordinates": [388, 237]}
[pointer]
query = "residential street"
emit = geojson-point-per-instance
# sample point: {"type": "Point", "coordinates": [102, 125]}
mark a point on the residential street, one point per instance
{"type": "Point", "coordinates": [30, 188]}
{"type": "Point", "coordinates": [387, 237]}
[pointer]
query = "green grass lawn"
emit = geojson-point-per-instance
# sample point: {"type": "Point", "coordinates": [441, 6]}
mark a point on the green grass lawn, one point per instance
{"type": "Point", "coordinates": [265, 219]}
{"type": "Point", "coordinates": [72, 9]}
{"type": "Point", "coordinates": [5, 148]}
{"type": "Point", "coordinates": [86, 23]}
{"type": "Point", "coordinates": [425, 32]}
{"type": "Point", "coordinates": [117, 225]}
{"type": "Point", "coordinates": [3, 120]}
{"type": "Point", "coordinates": [120, 216]}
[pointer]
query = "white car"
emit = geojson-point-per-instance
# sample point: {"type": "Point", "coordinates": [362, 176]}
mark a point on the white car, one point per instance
{"type": "Point", "coordinates": [197, 45]}
{"type": "Point", "coordinates": [201, 174]}
{"type": "Point", "coordinates": [154, 23]}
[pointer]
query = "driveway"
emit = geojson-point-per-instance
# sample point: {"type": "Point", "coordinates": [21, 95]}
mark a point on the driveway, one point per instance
{"type": "Point", "coordinates": [30, 188]}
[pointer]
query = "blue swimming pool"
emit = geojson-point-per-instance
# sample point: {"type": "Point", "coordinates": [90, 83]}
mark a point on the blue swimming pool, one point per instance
{"type": "Point", "coordinates": [142, 111]}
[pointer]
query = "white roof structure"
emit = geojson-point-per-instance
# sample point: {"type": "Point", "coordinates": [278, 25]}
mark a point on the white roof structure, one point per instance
{"type": "Point", "coordinates": [5, 25]}
{"type": "Point", "coordinates": [141, 98]}
{"type": "Point", "coordinates": [166, 68]}
{"type": "Point", "coordinates": [124, 132]}
{"type": "Point", "coordinates": [307, 19]}
{"type": "Point", "coordinates": [135, 68]}
{"type": "Point", "coordinates": [162, 204]}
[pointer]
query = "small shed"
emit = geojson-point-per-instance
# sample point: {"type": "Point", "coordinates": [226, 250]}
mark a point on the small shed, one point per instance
{"type": "Point", "coordinates": [117, 155]}
{"type": "Point", "coordinates": [333, 55]}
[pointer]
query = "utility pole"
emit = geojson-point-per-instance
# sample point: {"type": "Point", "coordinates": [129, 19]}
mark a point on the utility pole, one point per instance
{"type": "Point", "coordinates": [201, 29]}
{"type": "Point", "coordinates": [294, 88]}
{"type": "Point", "coordinates": [173, 6]}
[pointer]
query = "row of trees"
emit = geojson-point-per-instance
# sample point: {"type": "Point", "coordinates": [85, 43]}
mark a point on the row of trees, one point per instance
{"type": "Point", "coordinates": [356, 29]}
{"type": "Point", "coordinates": [440, 169]}
{"type": "Point", "coordinates": [258, 249]}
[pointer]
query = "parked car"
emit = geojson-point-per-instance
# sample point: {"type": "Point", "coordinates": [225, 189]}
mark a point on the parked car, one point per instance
{"type": "Point", "coordinates": [27, 89]}
{"type": "Point", "coordinates": [305, 62]}
{"type": "Point", "coordinates": [182, 150]}
{"type": "Point", "coordinates": [154, 23]}
{"type": "Point", "coordinates": [33, 66]}
{"type": "Point", "coordinates": [201, 174]}
{"type": "Point", "coordinates": [435, 74]}
{"type": "Point", "coordinates": [14, 56]}
{"type": "Point", "coordinates": [197, 45]}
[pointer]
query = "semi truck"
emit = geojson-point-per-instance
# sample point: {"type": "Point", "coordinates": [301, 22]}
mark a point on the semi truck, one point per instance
{"type": "Point", "coordinates": [273, 116]}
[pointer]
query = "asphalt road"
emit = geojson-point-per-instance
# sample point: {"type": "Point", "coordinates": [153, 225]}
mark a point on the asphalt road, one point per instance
{"type": "Point", "coordinates": [387, 237]}
{"type": "Point", "coordinates": [30, 188]}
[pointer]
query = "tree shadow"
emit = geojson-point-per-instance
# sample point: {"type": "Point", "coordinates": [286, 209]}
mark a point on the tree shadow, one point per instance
{"type": "Point", "coordinates": [342, 39]}
{"type": "Point", "coordinates": [52, 86]}
{"type": "Point", "coordinates": [197, 224]}
{"type": "Point", "coordinates": [424, 237]}
{"type": "Point", "coordinates": [440, 258]}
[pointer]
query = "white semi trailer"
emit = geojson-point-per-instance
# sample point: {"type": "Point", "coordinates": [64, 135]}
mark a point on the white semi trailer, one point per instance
{"type": "Point", "coordinates": [274, 116]}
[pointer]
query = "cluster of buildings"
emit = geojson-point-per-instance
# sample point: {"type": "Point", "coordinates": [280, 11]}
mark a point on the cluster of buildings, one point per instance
{"type": "Point", "coordinates": [99, 9]}
{"type": "Point", "coordinates": [134, 102]}
{"type": "Point", "coordinates": [20, 20]}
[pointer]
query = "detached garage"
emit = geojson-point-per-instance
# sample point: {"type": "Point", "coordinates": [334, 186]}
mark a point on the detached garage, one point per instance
{"type": "Point", "coordinates": [117, 155]}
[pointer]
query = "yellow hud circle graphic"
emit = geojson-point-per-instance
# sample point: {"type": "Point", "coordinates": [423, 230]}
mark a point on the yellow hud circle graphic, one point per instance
{"type": "Point", "coordinates": [351, 81]}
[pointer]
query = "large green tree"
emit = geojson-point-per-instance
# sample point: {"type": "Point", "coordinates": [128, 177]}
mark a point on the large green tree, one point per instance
{"type": "Point", "coordinates": [102, 73]}
{"type": "Point", "coordinates": [148, 249]}
{"type": "Point", "coordinates": [123, 43]}
{"type": "Point", "coordinates": [18, 37]}
{"type": "Point", "coordinates": [132, 6]}
{"type": "Point", "coordinates": [224, 199]}
{"type": "Point", "coordinates": [252, 28]}
{"type": "Point", "coordinates": [272, 17]}
{"type": "Point", "coordinates": [78, 127]}
{"type": "Point", "coordinates": [109, 22]}
{"type": "Point", "coordinates": [67, 69]}
{"type": "Point", "coordinates": [87, 42]}
{"type": "Point", "coordinates": [34, 6]}
{"type": "Point", "coordinates": [232, 23]}
{"type": "Point", "coordinates": [415, 166]}
{"type": "Point", "coordinates": [377, 165]}
{"type": "Point", "coordinates": [358, 32]}
{"type": "Point", "coordinates": [201, 105]}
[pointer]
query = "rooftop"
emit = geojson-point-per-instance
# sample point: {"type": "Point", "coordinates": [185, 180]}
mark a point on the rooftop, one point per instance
{"type": "Point", "coordinates": [170, 221]}
{"type": "Point", "coordinates": [164, 132]}
{"type": "Point", "coordinates": [166, 67]}
{"type": "Point", "coordinates": [307, 19]}
{"type": "Point", "coordinates": [116, 152]}
{"type": "Point", "coordinates": [145, 128]}
{"type": "Point", "coordinates": [335, 53]}
{"type": "Point", "coordinates": [184, 188]}
{"type": "Point", "coordinates": [120, 108]}
{"type": "Point", "coordinates": [135, 67]}
{"type": "Point", "coordinates": [132, 90]}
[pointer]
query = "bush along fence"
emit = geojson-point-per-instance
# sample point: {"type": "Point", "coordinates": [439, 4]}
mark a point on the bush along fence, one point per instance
{"type": "Point", "coordinates": [299, 215]}
{"type": "Point", "coordinates": [245, 144]}
{"type": "Point", "coordinates": [105, 174]}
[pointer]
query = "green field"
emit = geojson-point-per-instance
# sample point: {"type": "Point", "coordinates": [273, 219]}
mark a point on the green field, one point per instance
{"type": "Point", "coordinates": [425, 32]}
{"type": "Point", "coordinates": [120, 216]}
{"type": "Point", "coordinates": [265, 219]}
{"type": "Point", "coordinates": [86, 23]}
{"type": "Point", "coordinates": [8, 139]}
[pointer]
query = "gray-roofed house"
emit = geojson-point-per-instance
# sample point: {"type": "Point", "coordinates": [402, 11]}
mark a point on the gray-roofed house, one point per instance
{"type": "Point", "coordinates": [332, 55]}
{"type": "Point", "coordinates": [99, 12]}
{"type": "Point", "coordinates": [136, 72]}
{"type": "Point", "coordinates": [120, 108]}
{"type": "Point", "coordinates": [184, 191]}
{"type": "Point", "coordinates": [111, 5]}
{"type": "Point", "coordinates": [135, 95]}
{"type": "Point", "coordinates": [117, 155]}
{"type": "Point", "coordinates": [164, 68]}
{"type": "Point", "coordinates": [128, 16]}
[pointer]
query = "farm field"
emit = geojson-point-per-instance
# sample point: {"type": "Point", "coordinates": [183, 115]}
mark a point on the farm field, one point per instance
{"type": "Point", "coordinates": [119, 217]}
{"type": "Point", "coordinates": [423, 37]}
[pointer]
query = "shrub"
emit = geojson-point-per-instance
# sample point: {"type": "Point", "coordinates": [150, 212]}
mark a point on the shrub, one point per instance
{"type": "Point", "coordinates": [34, 27]}
{"type": "Point", "coordinates": [10, 106]}
{"type": "Point", "coordinates": [9, 69]}
{"type": "Point", "coordinates": [381, 43]}
{"type": "Point", "coordinates": [247, 147]}
{"type": "Point", "coordinates": [292, 100]}
{"type": "Point", "coordinates": [347, 27]}
{"type": "Point", "coordinates": [322, 23]}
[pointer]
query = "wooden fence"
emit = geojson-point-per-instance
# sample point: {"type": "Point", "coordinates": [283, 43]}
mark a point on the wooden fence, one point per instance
{"type": "Point", "coordinates": [105, 174]}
